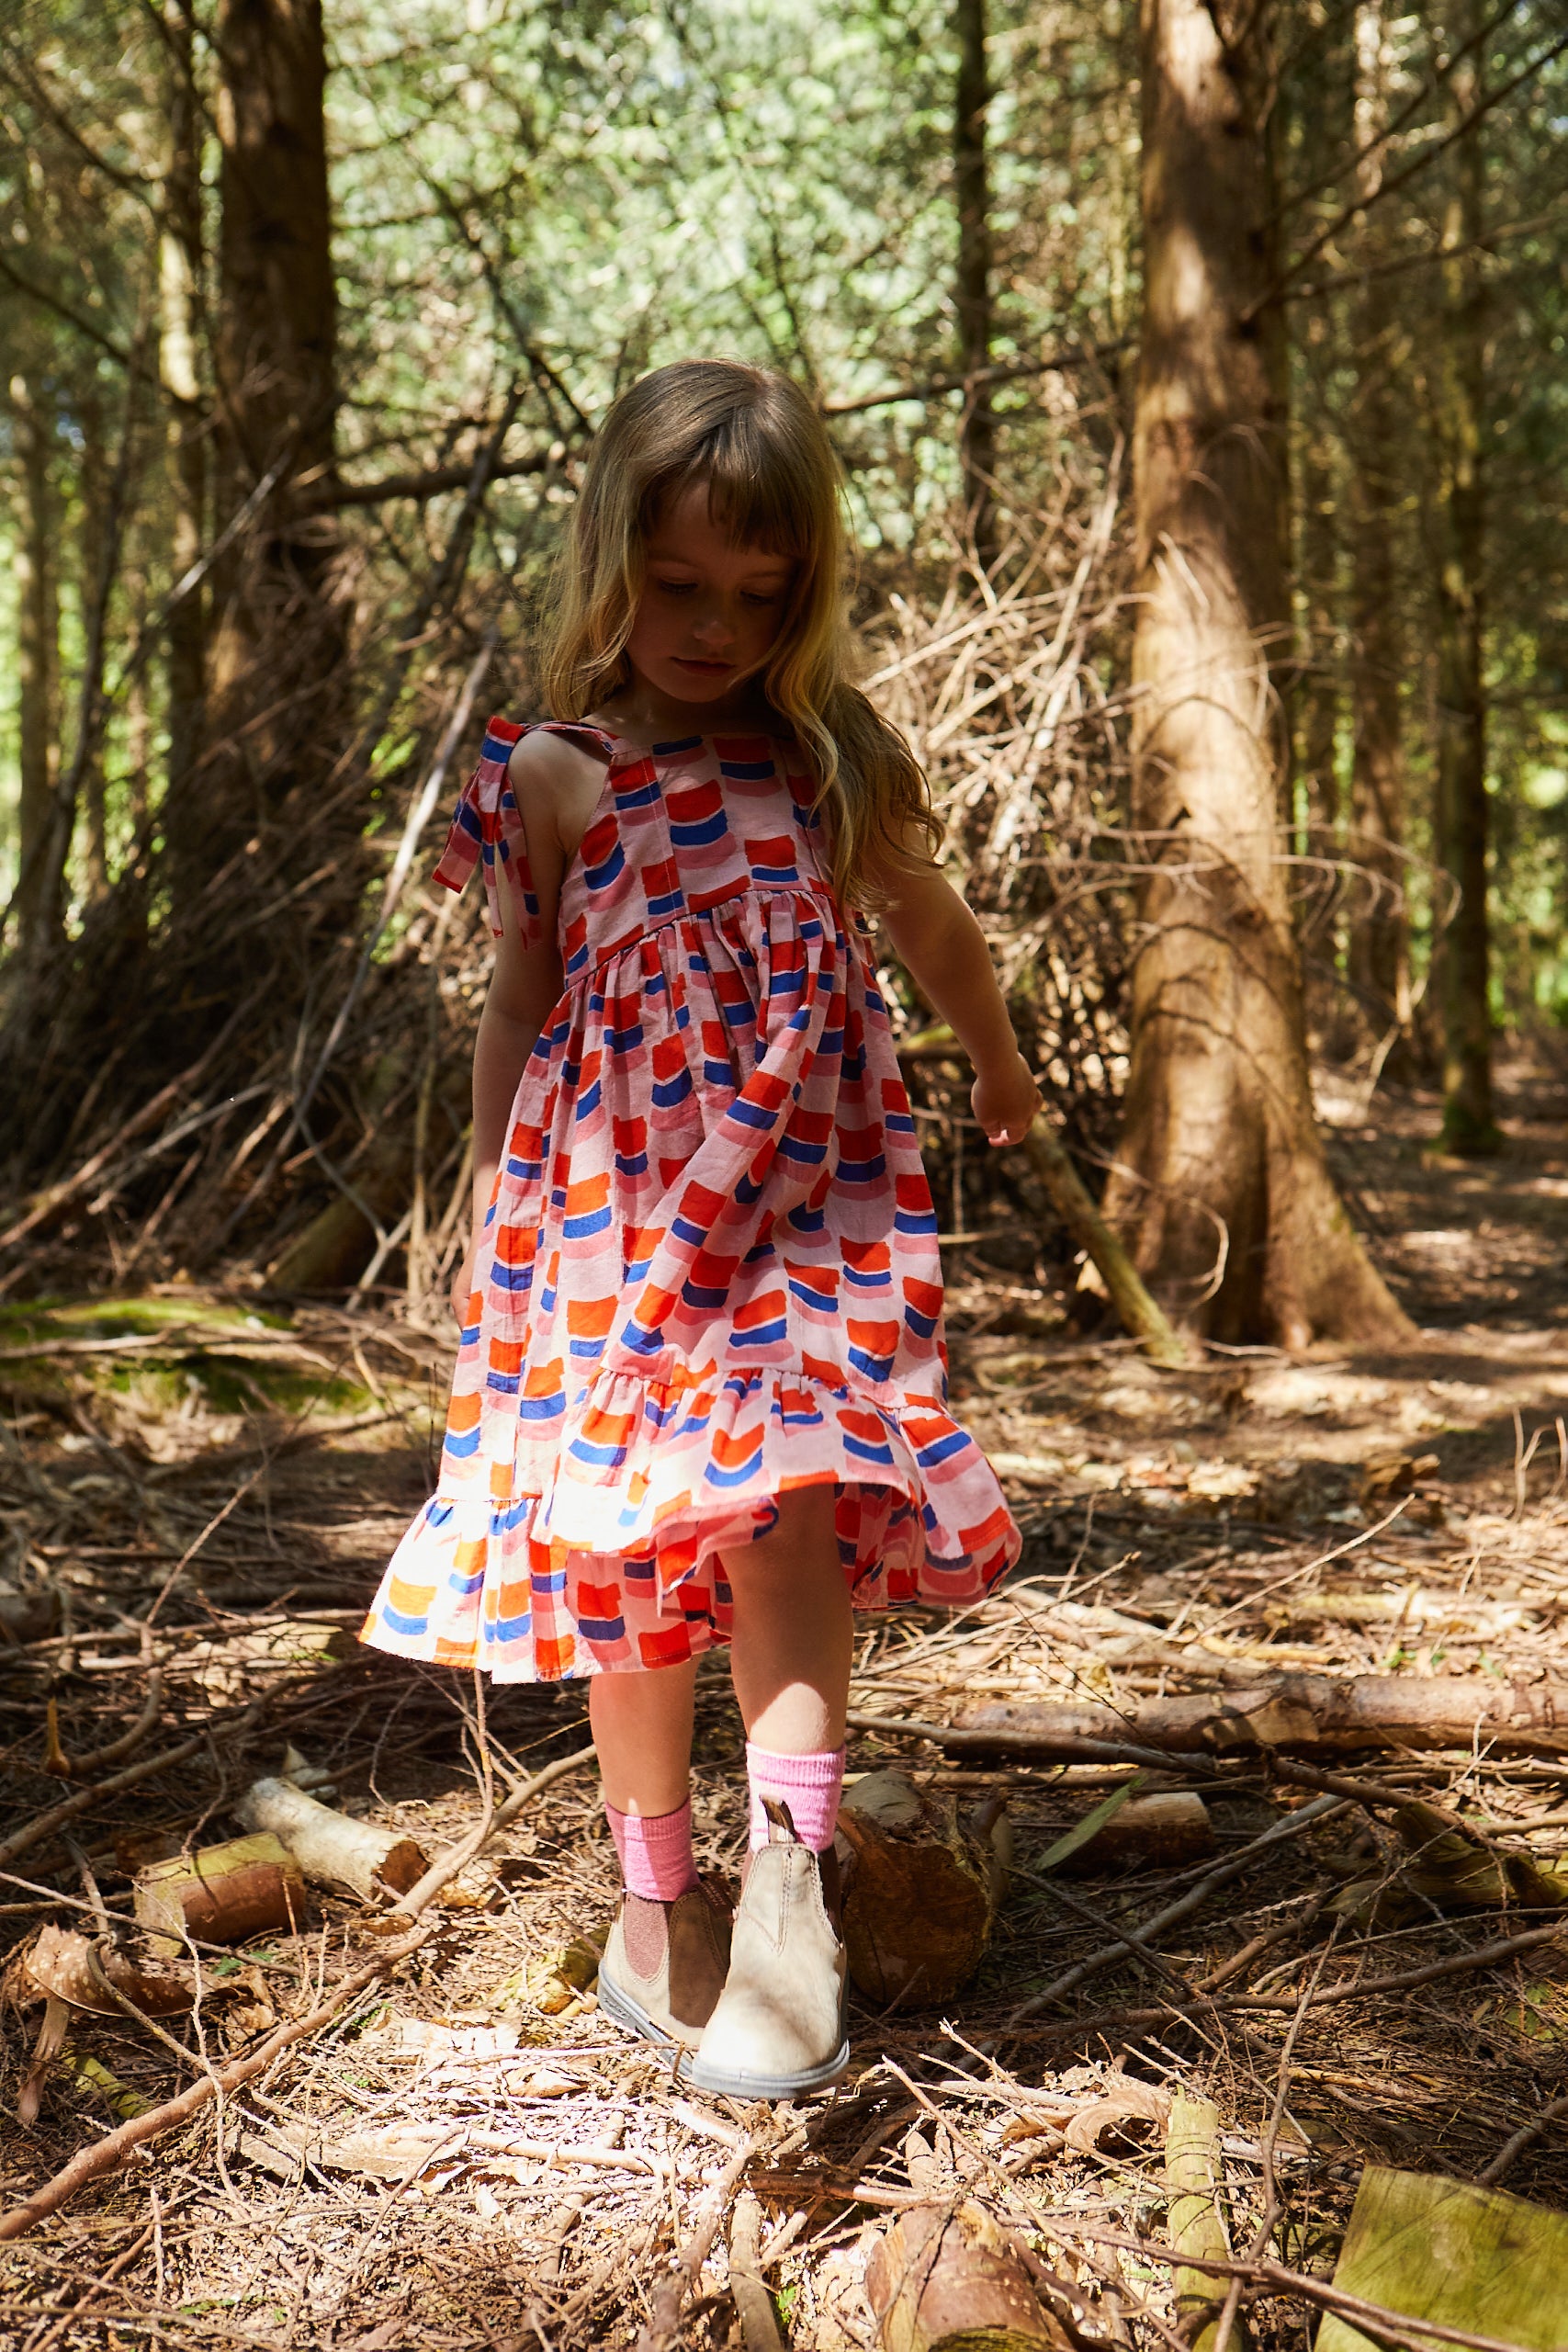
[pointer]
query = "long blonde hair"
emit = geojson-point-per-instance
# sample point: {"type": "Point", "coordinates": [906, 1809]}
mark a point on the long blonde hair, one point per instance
{"type": "Point", "coordinates": [773, 481]}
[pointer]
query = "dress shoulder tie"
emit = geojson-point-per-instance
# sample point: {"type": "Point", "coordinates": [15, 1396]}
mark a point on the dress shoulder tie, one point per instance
{"type": "Point", "coordinates": [487, 826]}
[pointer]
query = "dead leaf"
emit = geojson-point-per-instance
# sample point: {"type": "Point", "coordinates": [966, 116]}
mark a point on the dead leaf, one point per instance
{"type": "Point", "coordinates": [1129, 2102]}
{"type": "Point", "coordinates": [1388, 1475]}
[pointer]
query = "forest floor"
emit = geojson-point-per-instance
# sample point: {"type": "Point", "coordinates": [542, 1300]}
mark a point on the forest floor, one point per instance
{"type": "Point", "coordinates": [467, 2153]}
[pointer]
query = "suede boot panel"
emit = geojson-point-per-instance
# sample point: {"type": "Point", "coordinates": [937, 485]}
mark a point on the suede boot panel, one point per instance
{"type": "Point", "coordinates": [664, 1966]}
{"type": "Point", "coordinates": [778, 2028]}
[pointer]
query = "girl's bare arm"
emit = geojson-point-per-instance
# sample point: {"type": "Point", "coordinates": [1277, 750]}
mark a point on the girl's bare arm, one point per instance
{"type": "Point", "coordinates": [943, 949]}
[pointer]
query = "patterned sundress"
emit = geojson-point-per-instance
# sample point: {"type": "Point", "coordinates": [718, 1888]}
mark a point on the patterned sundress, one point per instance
{"type": "Point", "coordinates": [709, 1273]}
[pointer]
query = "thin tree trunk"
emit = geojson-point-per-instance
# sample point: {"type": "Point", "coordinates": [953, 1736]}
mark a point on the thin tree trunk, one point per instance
{"type": "Point", "coordinates": [276, 651]}
{"type": "Point", "coordinates": [37, 668]}
{"type": "Point", "coordinates": [1462, 815]}
{"type": "Point", "coordinates": [971, 174]}
{"type": "Point", "coordinates": [92, 475]}
{"type": "Point", "coordinates": [1380, 965]}
{"type": "Point", "coordinates": [1222, 1187]}
{"type": "Point", "coordinates": [1317, 701]}
{"type": "Point", "coordinates": [180, 280]}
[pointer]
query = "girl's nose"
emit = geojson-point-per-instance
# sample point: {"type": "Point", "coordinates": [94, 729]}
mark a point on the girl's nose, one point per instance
{"type": "Point", "coordinates": [714, 628]}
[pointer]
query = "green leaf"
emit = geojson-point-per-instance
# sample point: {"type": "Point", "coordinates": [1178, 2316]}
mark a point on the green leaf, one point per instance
{"type": "Point", "coordinates": [1089, 1826]}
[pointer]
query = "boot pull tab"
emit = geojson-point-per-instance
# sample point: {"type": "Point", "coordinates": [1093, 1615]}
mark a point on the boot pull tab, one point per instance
{"type": "Point", "coordinates": [781, 1831]}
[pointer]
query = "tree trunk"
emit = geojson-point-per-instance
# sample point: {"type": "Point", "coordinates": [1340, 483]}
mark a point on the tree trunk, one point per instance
{"type": "Point", "coordinates": [180, 266]}
{"type": "Point", "coordinates": [977, 434]}
{"type": "Point", "coordinates": [1222, 1187]}
{"type": "Point", "coordinates": [1462, 814]}
{"type": "Point", "coordinates": [92, 475]}
{"type": "Point", "coordinates": [38, 670]}
{"type": "Point", "coordinates": [1380, 966]}
{"type": "Point", "coordinates": [276, 655]}
{"type": "Point", "coordinates": [1317, 702]}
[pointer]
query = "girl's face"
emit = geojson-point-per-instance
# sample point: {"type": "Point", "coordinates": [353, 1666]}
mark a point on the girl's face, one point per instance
{"type": "Point", "coordinates": [709, 611]}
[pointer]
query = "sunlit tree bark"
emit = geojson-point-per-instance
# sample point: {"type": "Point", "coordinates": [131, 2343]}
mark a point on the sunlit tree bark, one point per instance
{"type": "Point", "coordinates": [276, 648]}
{"type": "Point", "coordinates": [1380, 966]}
{"type": "Point", "coordinates": [180, 343]}
{"type": "Point", "coordinates": [970, 172]}
{"type": "Point", "coordinates": [1221, 1184]}
{"type": "Point", "coordinates": [38, 665]}
{"type": "Point", "coordinates": [1462, 815]}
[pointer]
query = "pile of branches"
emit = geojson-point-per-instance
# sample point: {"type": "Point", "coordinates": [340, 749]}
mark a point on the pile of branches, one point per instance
{"type": "Point", "coordinates": [269, 1081]}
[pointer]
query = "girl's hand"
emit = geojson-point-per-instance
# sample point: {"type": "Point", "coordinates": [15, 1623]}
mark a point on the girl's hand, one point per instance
{"type": "Point", "coordinates": [1006, 1101]}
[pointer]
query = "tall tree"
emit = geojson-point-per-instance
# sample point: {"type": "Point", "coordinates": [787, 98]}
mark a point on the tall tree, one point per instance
{"type": "Point", "coordinates": [38, 659]}
{"type": "Point", "coordinates": [180, 274]}
{"type": "Point", "coordinates": [1221, 1185]}
{"type": "Point", "coordinates": [972, 186]}
{"type": "Point", "coordinates": [1380, 966]}
{"type": "Point", "coordinates": [275, 652]}
{"type": "Point", "coordinates": [1463, 818]}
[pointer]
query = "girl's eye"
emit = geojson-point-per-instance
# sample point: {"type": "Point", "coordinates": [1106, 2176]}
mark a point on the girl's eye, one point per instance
{"type": "Point", "coordinates": [756, 597]}
{"type": "Point", "coordinates": [675, 587]}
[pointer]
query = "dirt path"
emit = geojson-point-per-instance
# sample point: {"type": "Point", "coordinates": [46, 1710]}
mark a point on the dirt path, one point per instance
{"type": "Point", "coordinates": [418, 2171]}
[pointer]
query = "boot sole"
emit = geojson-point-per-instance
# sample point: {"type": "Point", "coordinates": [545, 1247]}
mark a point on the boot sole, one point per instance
{"type": "Point", "coordinates": [735, 2083]}
{"type": "Point", "coordinates": [618, 2005]}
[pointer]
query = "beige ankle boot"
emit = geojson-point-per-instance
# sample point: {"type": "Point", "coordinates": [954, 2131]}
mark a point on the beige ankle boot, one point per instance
{"type": "Point", "coordinates": [664, 1964]}
{"type": "Point", "coordinates": [779, 2026]}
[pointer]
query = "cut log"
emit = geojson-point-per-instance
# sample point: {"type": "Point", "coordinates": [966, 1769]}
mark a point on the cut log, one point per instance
{"type": "Point", "coordinates": [1462, 2256]}
{"type": "Point", "coordinates": [249, 1886]}
{"type": "Point", "coordinates": [921, 1888]}
{"type": "Point", "coordinates": [1161, 1832]}
{"type": "Point", "coordinates": [1303, 1714]}
{"type": "Point", "coordinates": [945, 2281]}
{"type": "Point", "coordinates": [352, 1856]}
{"type": "Point", "coordinates": [1195, 2179]}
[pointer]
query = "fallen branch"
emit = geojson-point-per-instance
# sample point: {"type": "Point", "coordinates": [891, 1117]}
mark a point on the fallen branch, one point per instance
{"type": "Point", "coordinates": [662, 2332]}
{"type": "Point", "coordinates": [1394, 2328]}
{"type": "Point", "coordinates": [1069, 1982]}
{"type": "Point", "coordinates": [1139, 1316]}
{"type": "Point", "coordinates": [959, 1740]}
{"type": "Point", "coordinates": [1203, 2005]}
{"type": "Point", "coordinates": [104, 2154]}
{"type": "Point", "coordinates": [1295, 1714]}
{"type": "Point", "coordinates": [44, 1825]}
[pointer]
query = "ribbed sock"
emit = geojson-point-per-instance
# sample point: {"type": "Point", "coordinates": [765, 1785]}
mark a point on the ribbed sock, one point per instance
{"type": "Point", "coordinates": [809, 1785]}
{"type": "Point", "coordinates": [655, 1852]}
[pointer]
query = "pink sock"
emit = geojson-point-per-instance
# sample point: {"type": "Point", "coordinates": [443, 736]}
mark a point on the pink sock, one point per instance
{"type": "Point", "coordinates": [655, 1851]}
{"type": "Point", "coordinates": [809, 1785]}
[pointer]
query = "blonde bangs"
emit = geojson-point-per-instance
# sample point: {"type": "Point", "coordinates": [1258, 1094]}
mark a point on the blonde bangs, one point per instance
{"type": "Point", "coordinates": [774, 482]}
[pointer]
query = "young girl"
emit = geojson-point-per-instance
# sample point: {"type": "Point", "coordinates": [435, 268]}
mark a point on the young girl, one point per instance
{"type": "Point", "coordinates": [701, 1394]}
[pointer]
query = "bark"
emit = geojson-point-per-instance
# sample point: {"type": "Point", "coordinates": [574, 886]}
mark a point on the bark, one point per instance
{"type": "Point", "coordinates": [921, 1889]}
{"type": "Point", "coordinates": [37, 668]}
{"type": "Point", "coordinates": [180, 268]}
{"type": "Point", "coordinates": [1222, 1190]}
{"type": "Point", "coordinates": [971, 174]}
{"type": "Point", "coordinates": [1317, 700]}
{"type": "Point", "coordinates": [941, 2279]}
{"type": "Point", "coordinates": [352, 1856]}
{"type": "Point", "coordinates": [1195, 2179]}
{"type": "Point", "coordinates": [1462, 815]}
{"type": "Point", "coordinates": [276, 656]}
{"type": "Point", "coordinates": [94, 479]}
{"type": "Point", "coordinates": [1380, 963]}
{"type": "Point", "coordinates": [251, 1886]}
{"type": "Point", "coordinates": [1301, 1714]}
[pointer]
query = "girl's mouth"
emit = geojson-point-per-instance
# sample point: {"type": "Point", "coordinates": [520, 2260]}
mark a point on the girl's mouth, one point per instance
{"type": "Point", "coordinates": [703, 668]}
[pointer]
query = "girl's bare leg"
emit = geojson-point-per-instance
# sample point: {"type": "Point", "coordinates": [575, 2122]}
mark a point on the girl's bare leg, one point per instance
{"type": "Point", "coordinates": [642, 1728]}
{"type": "Point", "coordinates": [792, 1640]}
